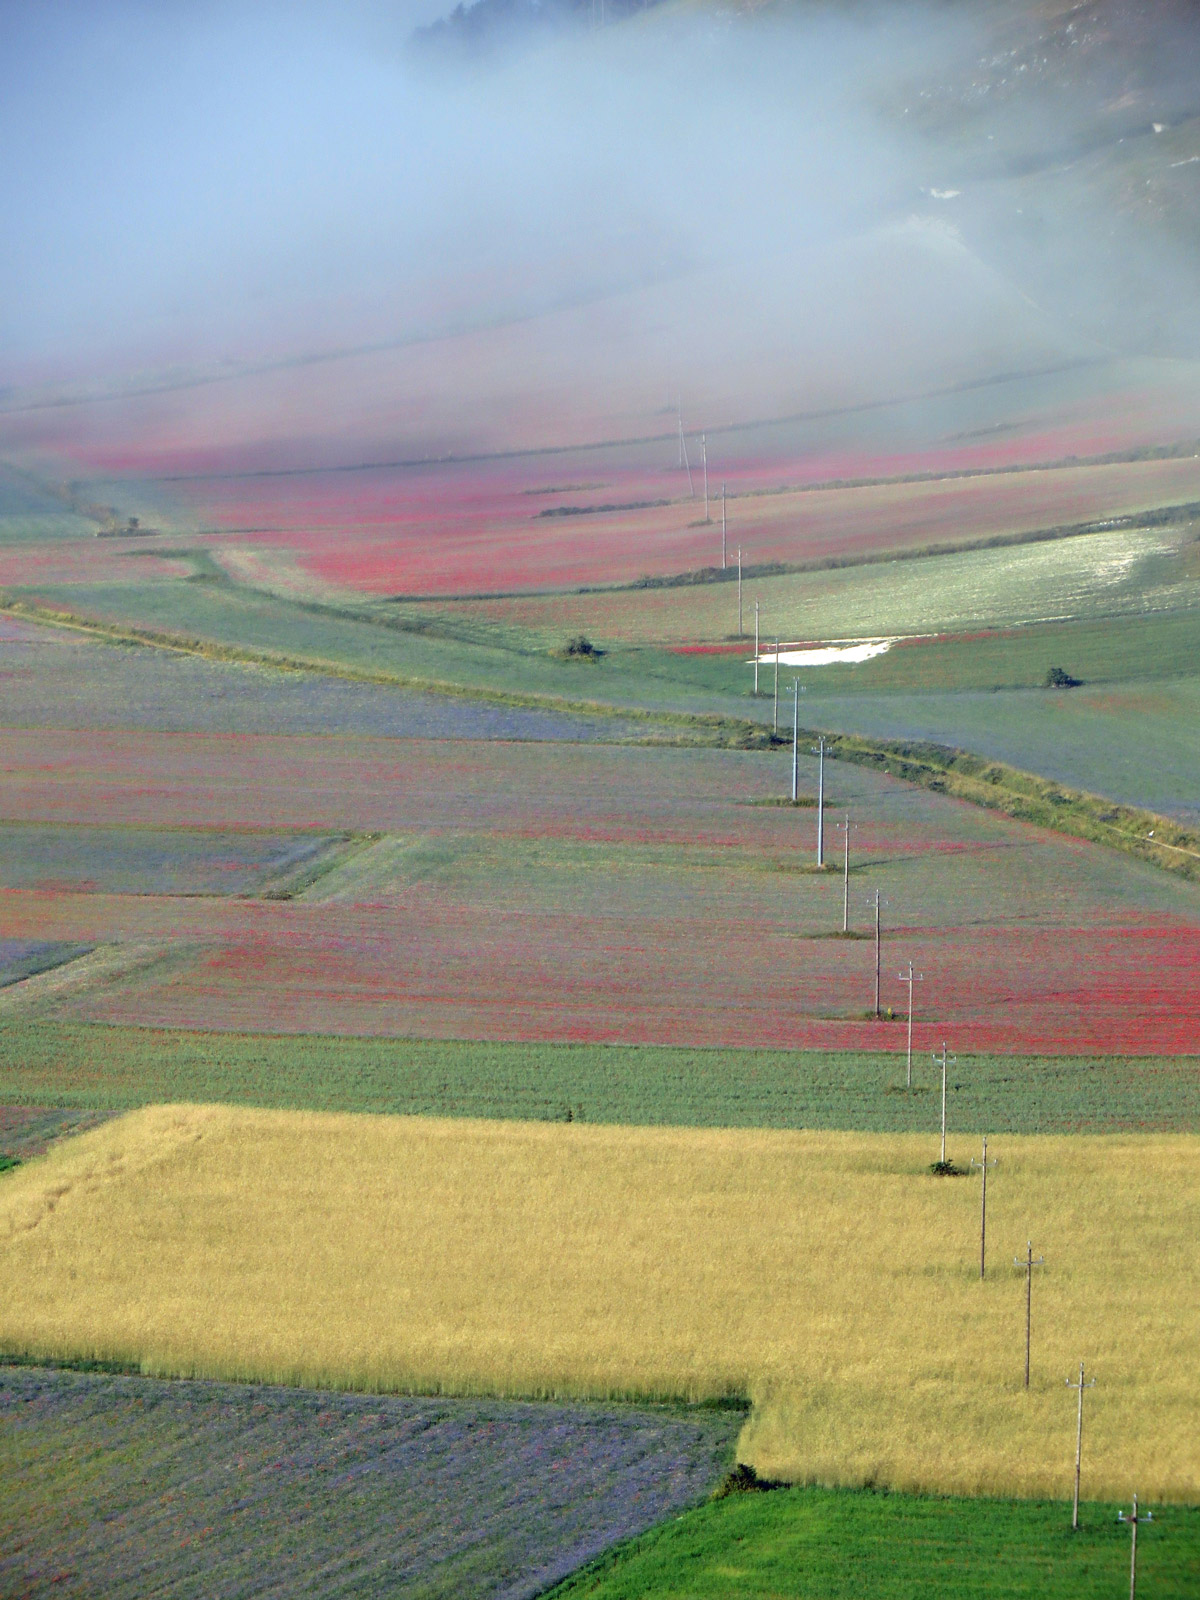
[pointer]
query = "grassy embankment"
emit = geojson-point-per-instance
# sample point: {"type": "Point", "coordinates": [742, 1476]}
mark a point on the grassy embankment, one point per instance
{"type": "Point", "coordinates": [828, 1276]}
{"type": "Point", "coordinates": [814, 1544]}
{"type": "Point", "coordinates": [81, 1066]}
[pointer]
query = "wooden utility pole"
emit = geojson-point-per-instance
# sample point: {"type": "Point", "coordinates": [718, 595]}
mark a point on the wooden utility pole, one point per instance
{"type": "Point", "coordinates": [739, 591]}
{"type": "Point", "coordinates": [775, 718]}
{"type": "Point", "coordinates": [945, 1060]}
{"type": "Point", "coordinates": [1081, 1386]}
{"type": "Point", "coordinates": [910, 977]}
{"type": "Point", "coordinates": [983, 1167]}
{"type": "Point", "coordinates": [704, 457]}
{"type": "Point", "coordinates": [756, 649]}
{"type": "Point", "coordinates": [724, 532]}
{"type": "Point", "coordinates": [1133, 1520]}
{"type": "Point", "coordinates": [1028, 1263]}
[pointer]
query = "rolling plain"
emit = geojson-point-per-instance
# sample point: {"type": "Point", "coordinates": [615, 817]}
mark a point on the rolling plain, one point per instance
{"type": "Point", "coordinates": [447, 1114]}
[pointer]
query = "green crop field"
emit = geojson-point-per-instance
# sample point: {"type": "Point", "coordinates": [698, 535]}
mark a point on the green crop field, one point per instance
{"type": "Point", "coordinates": [112, 1068]}
{"type": "Point", "coordinates": [1136, 742]}
{"type": "Point", "coordinates": [815, 1544]}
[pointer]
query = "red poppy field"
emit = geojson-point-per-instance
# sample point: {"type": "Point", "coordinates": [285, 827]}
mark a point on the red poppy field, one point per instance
{"type": "Point", "coordinates": [483, 529]}
{"type": "Point", "coordinates": [608, 894]}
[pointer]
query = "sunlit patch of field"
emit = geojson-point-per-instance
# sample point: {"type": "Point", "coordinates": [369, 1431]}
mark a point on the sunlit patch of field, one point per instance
{"type": "Point", "coordinates": [829, 1276]}
{"type": "Point", "coordinates": [1129, 570]}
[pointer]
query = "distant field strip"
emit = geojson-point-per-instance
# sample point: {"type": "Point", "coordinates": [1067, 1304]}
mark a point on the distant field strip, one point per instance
{"type": "Point", "coordinates": [828, 1276]}
{"type": "Point", "coordinates": [46, 1063]}
{"type": "Point", "coordinates": [474, 531]}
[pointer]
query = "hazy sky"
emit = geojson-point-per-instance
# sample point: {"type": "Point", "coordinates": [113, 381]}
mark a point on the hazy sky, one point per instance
{"type": "Point", "coordinates": [197, 179]}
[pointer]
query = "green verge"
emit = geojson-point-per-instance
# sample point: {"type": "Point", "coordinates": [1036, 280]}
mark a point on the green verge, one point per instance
{"type": "Point", "coordinates": [100, 1067]}
{"type": "Point", "coordinates": [814, 1544]}
{"type": "Point", "coordinates": [998, 787]}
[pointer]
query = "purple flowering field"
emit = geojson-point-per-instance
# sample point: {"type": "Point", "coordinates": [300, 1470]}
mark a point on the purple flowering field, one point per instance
{"type": "Point", "coordinates": [126, 1487]}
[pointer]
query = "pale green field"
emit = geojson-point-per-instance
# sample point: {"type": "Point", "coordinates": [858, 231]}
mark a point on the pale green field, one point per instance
{"type": "Point", "coordinates": [1126, 571]}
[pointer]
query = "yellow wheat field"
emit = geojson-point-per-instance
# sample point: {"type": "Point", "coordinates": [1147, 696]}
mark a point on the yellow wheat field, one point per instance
{"type": "Point", "coordinates": [827, 1275]}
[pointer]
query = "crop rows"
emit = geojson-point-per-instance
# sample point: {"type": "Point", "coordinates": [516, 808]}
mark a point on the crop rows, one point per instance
{"type": "Point", "coordinates": [129, 1486]}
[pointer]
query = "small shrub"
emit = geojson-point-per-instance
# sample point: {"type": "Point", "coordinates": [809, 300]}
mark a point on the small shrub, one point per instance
{"type": "Point", "coordinates": [7, 1163]}
{"type": "Point", "coordinates": [947, 1169]}
{"type": "Point", "coordinates": [580, 648]}
{"type": "Point", "coordinates": [744, 1480]}
{"type": "Point", "coordinates": [1059, 678]}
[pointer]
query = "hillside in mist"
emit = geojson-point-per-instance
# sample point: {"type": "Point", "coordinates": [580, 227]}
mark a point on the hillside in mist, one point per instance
{"type": "Point", "coordinates": [324, 244]}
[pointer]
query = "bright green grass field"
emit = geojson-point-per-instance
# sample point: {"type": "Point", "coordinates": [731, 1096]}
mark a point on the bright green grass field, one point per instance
{"type": "Point", "coordinates": [814, 1544]}
{"type": "Point", "coordinates": [116, 1068]}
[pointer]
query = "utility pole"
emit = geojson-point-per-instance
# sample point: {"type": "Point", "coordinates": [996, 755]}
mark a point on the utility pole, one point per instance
{"type": "Point", "coordinates": [1081, 1386]}
{"type": "Point", "coordinates": [724, 531]}
{"type": "Point", "coordinates": [910, 977]}
{"type": "Point", "coordinates": [951, 1061]}
{"type": "Point", "coordinates": [739, 591]}
{"type": "Point", "coordinates": [983, 1167]}
{"type": "Point", "coordinates": [704, 457]}
{"type": "Point", "coordinates": [1133, 1520]}
{"type": "Point", "coordinates": [683, 459]}
{"type": "Point", "coordinates": [878, 902]}
{"type": "Point", "coordinates": [845, 827]}
{"type": "Point", "coordinates": [820, 753]}
{"type": "Point", "coordinates": [795, 739]}
{"type": "Point", "coordinates": [756, 649]}
{"type": "Point", "coordinates": [1029, 1263]}
{"type": "Point", "coordinates": [775, 718]}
